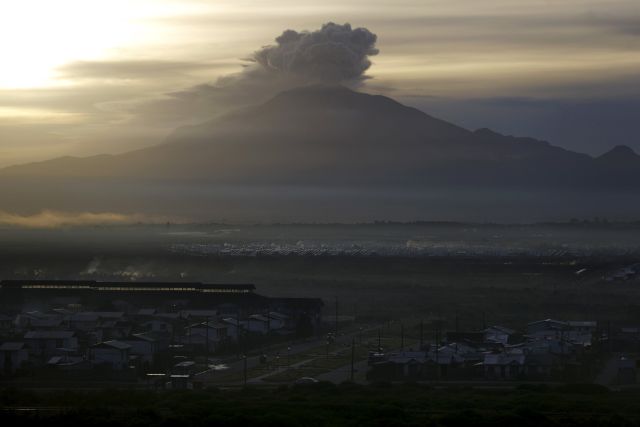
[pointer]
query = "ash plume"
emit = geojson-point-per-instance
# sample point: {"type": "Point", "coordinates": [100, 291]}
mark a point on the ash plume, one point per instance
{"type": "Point", "coordinates": [333, 54]}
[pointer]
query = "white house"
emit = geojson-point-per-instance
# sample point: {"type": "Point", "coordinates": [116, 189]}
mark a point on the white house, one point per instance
{"type": "Point", "coordinates": [111, 353]}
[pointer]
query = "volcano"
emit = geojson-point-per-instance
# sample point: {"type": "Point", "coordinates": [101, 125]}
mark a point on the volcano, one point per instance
{"type": "Point", "coordinates": [332, 137]}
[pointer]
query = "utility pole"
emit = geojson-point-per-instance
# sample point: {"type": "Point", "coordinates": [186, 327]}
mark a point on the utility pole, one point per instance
{"type": "Point", "coordinates": [353, 357]}
{"type": "Point", "coordinates": [401, 337]}
{"type": "Point", "coordinates": [379, 340]}
{"type": "Point", "coordinates": [238, 334]}
{"type": "Point", "coordinates": [421, 334]}
{"type": "Point", "coordinates": [437, 345]}
{"type": "Point", "coordinates": [336, 317]}
{"type": "Point", "coordinates": [457, 331]}
{"type": "Point", "coordinates": [207, 331]}
{"type": "Point", "coordinates": [245, 370]}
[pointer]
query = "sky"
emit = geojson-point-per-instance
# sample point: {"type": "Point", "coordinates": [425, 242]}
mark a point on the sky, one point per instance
{"type": "Point", "coordinates": [82, 77]}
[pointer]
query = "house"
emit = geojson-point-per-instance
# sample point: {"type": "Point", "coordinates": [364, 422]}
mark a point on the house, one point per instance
{"type": "Point", "coordinates": [13, 355]}
{"type": "Point", "coordinates": [585, 326]}
{"type": "Point", "coordinates": [116, 329]}
{"type": "Point", "coordinates": [538, 365]}
{"type": "Point", "coordinates": [166, 323]}
{"type": "Point", "coordinates": [84, 321]}
{"type": "Point", "coordinates": [114, 354]}
{"type": "Point", "coordinates": [627, 370]}
{"type": "Point", "coordinates": [68, 362]}
{"type": "Point", "coordinates": [474, 337]}
{"type": "Point", "coordinates": [546, 326]}
{"type": "Point", "coordinates": [158, 325]}
{"type": "Point", "coordinates": [143, 346]}
{"type": "Point", "coordinates": [408, 364]}
{"type": "Point", "coordinates": [257, 323]}
{"type": "Point", "coordinates": [6, 324]}
{"type": "Point", "coordinates": [401, 366]}
{"type": "Point", "coordinates": [199, 314]}
{"type": "Point", "coordinates": [146, 312]}
{"type": "Point", "coordinates": [579, 333]}
{"type": "Point", "coordinates": [507, 365]}
{"type": "Point", "coordinates": [234, 327]}
{"type": "Point", "coordinates": [38, 320]}
{"type": "Point", "coordinates": [48, 343]}
{"type": "Point", "coordinates": [208, 334]}
{"type": "Point", "coordinates": [626, 339]}
{"type": "Point", "coordinates": [498, 334]}
{"type": "Point", "coordinates": [279, 321]}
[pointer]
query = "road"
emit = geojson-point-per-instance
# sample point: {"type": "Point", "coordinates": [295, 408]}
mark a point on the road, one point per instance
{"type": "Point", "coordinates": [237, 366]}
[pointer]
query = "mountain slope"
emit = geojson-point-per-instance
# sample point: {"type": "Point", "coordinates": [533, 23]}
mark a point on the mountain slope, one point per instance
{"type": "Point", "coordinates": [330, 135]}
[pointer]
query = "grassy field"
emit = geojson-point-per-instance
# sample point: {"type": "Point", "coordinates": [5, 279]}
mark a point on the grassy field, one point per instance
{"type": "Point", "coordinates": [329, 405]}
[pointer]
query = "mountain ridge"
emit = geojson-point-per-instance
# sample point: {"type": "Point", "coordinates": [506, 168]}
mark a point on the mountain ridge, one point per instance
{"type": "Point", "coordinates": [331, 135]}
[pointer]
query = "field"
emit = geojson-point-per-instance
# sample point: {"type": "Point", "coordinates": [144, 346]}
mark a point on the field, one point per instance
{"type": "Point", "coordinates": [476, 274]}
{"type": "Point", "coordinates": [329, 405]}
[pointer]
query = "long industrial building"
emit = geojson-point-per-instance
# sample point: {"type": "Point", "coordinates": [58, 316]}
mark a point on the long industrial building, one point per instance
{"type": "Point", "coordinates": [17, 293]}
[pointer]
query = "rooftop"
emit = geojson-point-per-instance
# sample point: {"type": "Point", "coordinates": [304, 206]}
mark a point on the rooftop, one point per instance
{"type": "Point", "coordinates": [90, 285]}
{"type": "Point", "coordinates": [49, 335]}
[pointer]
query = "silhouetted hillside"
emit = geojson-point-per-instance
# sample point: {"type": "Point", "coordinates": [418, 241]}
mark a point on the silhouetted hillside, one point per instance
{"type": "Point", "coordinates": [331, 137]}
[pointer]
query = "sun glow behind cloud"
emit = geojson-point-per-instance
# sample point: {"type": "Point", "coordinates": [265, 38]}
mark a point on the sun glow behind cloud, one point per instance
{"type": "Point", "coordinates": [37, 36]}
{"type": "Point", "coordinates": [70, 70]}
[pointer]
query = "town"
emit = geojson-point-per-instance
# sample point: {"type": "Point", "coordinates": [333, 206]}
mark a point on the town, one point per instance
{"type": "Point", "coordinates": [193, 335]}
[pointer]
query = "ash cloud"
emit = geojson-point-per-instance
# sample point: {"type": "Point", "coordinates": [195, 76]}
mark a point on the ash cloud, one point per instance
{"type": "Point", "coordinates": [333, 54]}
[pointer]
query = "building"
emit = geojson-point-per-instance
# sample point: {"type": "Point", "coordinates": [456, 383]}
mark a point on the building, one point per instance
{"type": "Point", "coordinates": [206, 334]}
{"type": "Point", "coordinates": [304, 314]}
{"type": "Point", "coordinates": [143, 346]}
{"type": "Point", "coordinates": [114, 354]}
{"type": "Point", "coordinates": [504, 365]}
{"type": "Point", "coordinates": [13, 355]}
{"type": "Point", "coordinates": [49, 343]}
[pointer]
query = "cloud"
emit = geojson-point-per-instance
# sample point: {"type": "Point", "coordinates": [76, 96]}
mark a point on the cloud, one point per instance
{"type": "Point", "coordinates": [54, 219]}
{"type": "Point", "coordinates": [591, 125]}
{"type": "Point", "coordinates": [334, 54]}
{"type": "Point", "coordinates": [133, 69]}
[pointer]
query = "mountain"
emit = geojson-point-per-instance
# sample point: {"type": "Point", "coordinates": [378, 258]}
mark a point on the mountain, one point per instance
{"type": "Point", "coordinates": [621, 157]}
{"type": "Point", "coordinates": [332, 137]}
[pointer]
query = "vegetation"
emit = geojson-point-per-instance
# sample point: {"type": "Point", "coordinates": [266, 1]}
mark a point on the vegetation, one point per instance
{"type": "Point", "coordinates": [325, 404]}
